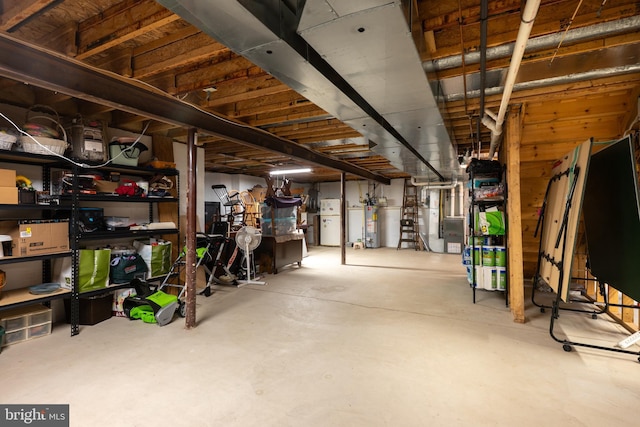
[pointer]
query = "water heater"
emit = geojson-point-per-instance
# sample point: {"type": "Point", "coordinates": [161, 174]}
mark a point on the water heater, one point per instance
{"type": "Point", "coordinates": [371, 225]}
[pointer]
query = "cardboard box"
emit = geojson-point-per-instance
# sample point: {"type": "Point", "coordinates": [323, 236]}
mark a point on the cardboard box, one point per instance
{"type": "Point", "coordinates": [9, 195]}
{"type": "Point", "coordinates": [37, 238]}
{"type": "Point", "coordinates": [7, 178]}
{"type": "Point", "coordinates": [106, 186]}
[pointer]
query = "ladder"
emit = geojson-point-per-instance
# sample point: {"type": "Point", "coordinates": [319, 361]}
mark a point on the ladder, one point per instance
{"type": "Point", "coordinates": [409, 230]}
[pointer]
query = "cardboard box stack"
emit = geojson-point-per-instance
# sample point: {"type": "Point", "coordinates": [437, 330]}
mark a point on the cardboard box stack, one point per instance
{"type": "Point", "coordinates": [8, 189]}
{"type": "Point", "coordinates": [37, 237]}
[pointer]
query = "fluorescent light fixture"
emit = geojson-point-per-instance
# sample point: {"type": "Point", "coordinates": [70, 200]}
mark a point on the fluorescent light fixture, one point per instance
{"type": "Point", "coordinates": [289, 171]}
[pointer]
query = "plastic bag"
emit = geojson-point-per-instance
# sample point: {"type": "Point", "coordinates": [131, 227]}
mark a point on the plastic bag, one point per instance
{"type": "Point", "coordinates": [156, 254]}
{"type": "Point", "coordinates": [125, 268]}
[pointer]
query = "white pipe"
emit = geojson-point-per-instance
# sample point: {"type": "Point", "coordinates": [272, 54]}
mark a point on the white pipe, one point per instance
{"type": "Point", "coordinates": [461, 199]}
{"type": "Point", "coordinates": [528, 16]}
{"type": "Point", "coordinates": [435, 186]}
{"type": "Point", "coordinates": [452, 200]}
{"type": "Point", "coordinates": [489, 120]}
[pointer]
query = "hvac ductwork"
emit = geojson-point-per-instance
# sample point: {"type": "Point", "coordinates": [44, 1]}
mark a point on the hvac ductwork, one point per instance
{"type": "Point", "coordinates": [356, 60]}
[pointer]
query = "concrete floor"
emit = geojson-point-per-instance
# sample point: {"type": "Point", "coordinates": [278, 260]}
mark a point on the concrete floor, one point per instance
{"type": "Point", "coordinates": [391, 339]}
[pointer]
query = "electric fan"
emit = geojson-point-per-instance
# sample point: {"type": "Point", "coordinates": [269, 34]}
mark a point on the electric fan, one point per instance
{"type": "Point", "coordinates": [248, 238]}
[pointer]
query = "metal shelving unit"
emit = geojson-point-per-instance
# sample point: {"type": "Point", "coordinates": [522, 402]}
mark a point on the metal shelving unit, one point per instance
{"type": "Point", "coordinates": [71, 203]}
{"type": "Point", "coordinates": [483, 169]}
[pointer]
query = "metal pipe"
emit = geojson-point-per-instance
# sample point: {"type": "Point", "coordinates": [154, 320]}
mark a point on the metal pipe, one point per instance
{"type": "Point", "coordinates": [484, 12]}
{"type": "Point", "coordinates": [437, 186]}
{"type": "Point", "coordinates": [526, 23]}
{"type": "Point", "coordinates": [464, 72]}
{"type": "Point", "coordinates": [551, 81]}
{"type": "Point", "coordinates": [576, 35]}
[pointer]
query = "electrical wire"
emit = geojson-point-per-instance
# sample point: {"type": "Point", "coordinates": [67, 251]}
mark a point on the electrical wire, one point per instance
{"type": "Point", "coordinates": [564, 34]}
{"type": "Point", "coordinates": [82, 165]}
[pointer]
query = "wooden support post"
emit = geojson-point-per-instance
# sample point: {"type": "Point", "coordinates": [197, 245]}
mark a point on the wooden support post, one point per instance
{"type": "Point", "coordinates": [514, 213]}
{"type": "Point", "coordinates": [190, 266]}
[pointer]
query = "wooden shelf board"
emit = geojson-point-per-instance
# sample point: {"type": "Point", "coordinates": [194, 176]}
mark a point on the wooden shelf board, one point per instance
{"type": "Point", "coordinates": [17, 296]}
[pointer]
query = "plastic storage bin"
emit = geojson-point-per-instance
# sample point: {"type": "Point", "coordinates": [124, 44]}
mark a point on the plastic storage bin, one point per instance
{"type": "Point", "coordinates": [38, 330]}
{"type": "Point", "coordinates": [93, 310]}
{"type": "Point", "coordinates": [22, 317]}
{"type": "Point", "coordinates": [15, 337]}
{"type": "Point", "coordinates": [40, 317]}
{"type": "Point", "coordinates": [23, 323]}
{"type": "Point", "coordinates": [14, 323]}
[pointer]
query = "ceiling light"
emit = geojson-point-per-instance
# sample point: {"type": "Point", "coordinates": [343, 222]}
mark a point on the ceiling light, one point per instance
{"type": "Point", "coordinates": [289, 171]}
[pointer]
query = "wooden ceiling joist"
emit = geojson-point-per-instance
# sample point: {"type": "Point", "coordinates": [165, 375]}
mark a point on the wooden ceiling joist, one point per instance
{"type": "Point", "coordinates": [75, 79]}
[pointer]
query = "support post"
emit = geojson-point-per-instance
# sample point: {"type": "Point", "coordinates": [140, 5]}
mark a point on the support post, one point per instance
{"type": "Point", "coordinates": [343, 219]}
{"type": "Point", "coordinates": [514, 214]}
{"type": "Point", "coordinates": [190, 267]}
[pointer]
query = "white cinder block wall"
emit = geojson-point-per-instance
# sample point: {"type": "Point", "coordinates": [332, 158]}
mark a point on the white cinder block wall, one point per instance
{"type": "Point", "coordinates": [355, 196]}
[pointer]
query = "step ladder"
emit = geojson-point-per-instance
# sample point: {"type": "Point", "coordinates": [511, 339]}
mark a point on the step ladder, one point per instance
{"type": "Point", "coordinates": [409, 229]}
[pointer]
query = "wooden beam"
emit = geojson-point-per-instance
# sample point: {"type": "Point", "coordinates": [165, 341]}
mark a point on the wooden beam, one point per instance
{"type": "Point", "coordinates": [16, 11]}
{"type": "Point", "coordinates": [76, 79]}
{"type": "Point", "coordinates": [272, 104]}
{"type": "Point", "coordinates": [310, 112]}
{"type": "Point", "coordinates": [233, 91]}
{"type": "Point", "coordinates": [125, 21]}
{"type": "Point", "coordinates": [192, 49]}
{"type": "Point", "coordinates": [514, 214]}
{"type": "Point", "coordinates": [230, 67]}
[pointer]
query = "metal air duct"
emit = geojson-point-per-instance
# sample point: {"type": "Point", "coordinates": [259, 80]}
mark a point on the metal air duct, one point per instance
{"type": "Point", "coordinates": [356, 60]}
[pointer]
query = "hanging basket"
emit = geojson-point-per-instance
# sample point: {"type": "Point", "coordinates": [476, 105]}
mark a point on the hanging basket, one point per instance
{"type": "Point", "coordinates": [46, 130]}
